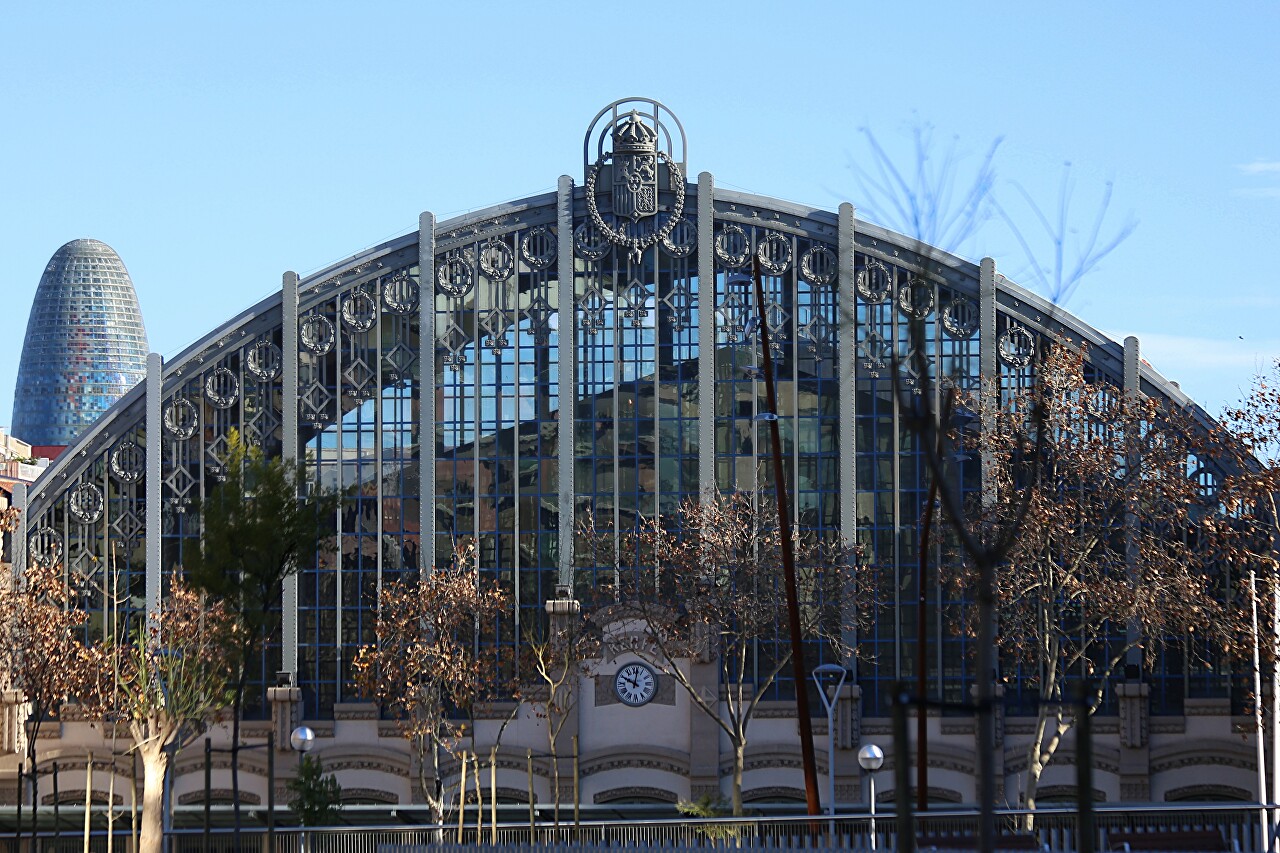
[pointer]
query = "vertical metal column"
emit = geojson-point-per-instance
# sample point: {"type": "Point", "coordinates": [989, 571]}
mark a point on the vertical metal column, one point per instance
{"type": "Point", "coordinates": [1132, 390]}
{"type": "Point", "coordinates": [566, 352]}
{"type": "Point", "coordinates": [19, 547]}
{"type": "Point", "coordinates": [426, 393]}
{"type": "Point", "coordinates": [289, 453]}
{"type": "Point", "coordinates": [846, 372]}
{"type": "Point", "coordinates": [988, 377]}
{"type": "Point", "coordinates": [707, 485]}
{"type": "Point", "coordinates": [990, 764]}
{"type": "Point", "coordinates": [154, 488]}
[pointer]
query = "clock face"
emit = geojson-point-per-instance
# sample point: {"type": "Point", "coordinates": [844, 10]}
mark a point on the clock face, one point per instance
{"type": "Point", "coordinates": [635, 684]}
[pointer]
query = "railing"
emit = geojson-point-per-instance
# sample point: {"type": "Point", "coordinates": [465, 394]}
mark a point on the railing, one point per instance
{"type": "Point", "coordinates": [1054, 830]}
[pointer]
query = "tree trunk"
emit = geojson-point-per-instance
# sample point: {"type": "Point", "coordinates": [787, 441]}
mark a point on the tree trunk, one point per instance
{"type": "Point", "coordinates": [1039, 753]}
{"type": "Point", "coordinates": [555, 783]}
{"type": "Point", "coordinates": [1034, 769]}
{"type": "Point", "coordinates": [739, 756]}
{"type": "Point", "coordinates": [155, 765]}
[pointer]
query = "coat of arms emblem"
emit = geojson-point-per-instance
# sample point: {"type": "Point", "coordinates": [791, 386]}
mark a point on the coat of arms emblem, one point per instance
{"type": "Point", "coordinates": [643, 190]}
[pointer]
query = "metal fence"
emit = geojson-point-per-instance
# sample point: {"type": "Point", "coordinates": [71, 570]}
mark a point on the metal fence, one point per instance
{"type": "Point", "coordinates": [1054, 830]}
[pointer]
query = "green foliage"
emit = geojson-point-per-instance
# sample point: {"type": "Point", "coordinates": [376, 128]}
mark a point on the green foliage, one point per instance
{"type": "Point", "coordinates": [705, 807]}
{"type": "Point", "coordinates": [317, 796]}
{"type": "Point", "coordinates": [257, 524]}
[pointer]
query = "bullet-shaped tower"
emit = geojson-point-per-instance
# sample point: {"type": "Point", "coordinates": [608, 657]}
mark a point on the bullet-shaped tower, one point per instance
{"type": "Point", "coordinates": [85, 347]}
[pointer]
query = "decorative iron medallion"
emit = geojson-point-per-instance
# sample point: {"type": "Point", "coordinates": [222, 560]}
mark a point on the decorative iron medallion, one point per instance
{"type": "Point", "coordinates": [84, 502]}
{"type": "Point", "coordinates": [454, 277]}
{"type": "Point", "coordinates": [400, 293]}
{"type": "Point", "coordinates": [538, 248]}
{"type": "Point", "coordinates": [874, 282]}
{"type": "Point", "coordinates": [181, 418]}
{"type": "Point", "coordinates": [128, 462]}
{"type": "Point", "coordinates": [1017, 347]}
{"type": "Point", "coordinates": [733, 248]}
{"type": "Point", "coordinates": [915, 298]}
{"type": "Point", "coordinates": [819, 266]}
{"type": "Point", "coordinates": [590, 243]}
{"type": "Point", "coordinates": [960, 318]}
{"type": "Point", "coordinates": [359, 311]}
{"type": "Point", "coordinates": [317, 334]}
{"type": "Point", "coordinates": [497, 260]}
{"type": "Point", "coordinates": [263, 361]}
{"type": "Point", "coordinates": [44, 547]}
{"type": "Point", "coordinates": [774, 252]}
{"type": "Point", "coordinates": [636, 164]}
{"type": "Point", "coordinates": [683, 239]}
{"type": "Point", "coordinates": [222, 388]}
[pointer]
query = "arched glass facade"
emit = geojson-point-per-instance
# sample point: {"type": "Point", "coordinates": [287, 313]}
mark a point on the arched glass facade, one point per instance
{"type": "Point", "coordinates": [430, 378]}
{"type": "Point", "coordinates": [85, 346]}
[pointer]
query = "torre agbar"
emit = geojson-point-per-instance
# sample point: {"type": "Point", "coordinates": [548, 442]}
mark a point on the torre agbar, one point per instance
{"type": "Point", "coordinates": [426, 377]}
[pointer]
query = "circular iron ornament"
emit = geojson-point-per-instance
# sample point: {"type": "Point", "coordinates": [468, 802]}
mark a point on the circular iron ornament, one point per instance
{"type": "Point", "coordinates": [683, 239]}
{"type": "Point", "coordinates": [538, 248]}
{"type": "Point", "coordinates": [732, 246]}
{"type": "Point", "coordinates": [317, 334]}
{"type": "Point", "coordinates": [359, 311]}
{"type": "Point", "coordinates": [774, 252]}
{"type": "Point", "coordinates": [264, 361]}
{"type": "Point", "coordinates": [85, 503]}
{"type": "Point", "coordinates": [637, 243]}
{"type": "Point", "coordinates": [590, 243]}
{"type": "Point", "coordinates": [915, 298]}
{"type": "Point", "coordinates": [400, 294]}
{"type": "Point", "coordinates": [874, 282]}
{"type": "Point", "coordinates": [128, 462]}
{"type": "Point", "coordinates": [181, 418]}
{"type": "Point", "coordinates": [1017, 347]}
{"type": "Point", "coordinates": [819, 266]}
{"type": "Point", "coordinates": [497, 260]}
{"type": "Point", "coordinates": [44, 546]}
{"type": "Point", "coordinates": [222, 389]}
{"type": "Point", "coordinates": [454, 277]}
{"type": "Point", "coordinates": [960, 318]}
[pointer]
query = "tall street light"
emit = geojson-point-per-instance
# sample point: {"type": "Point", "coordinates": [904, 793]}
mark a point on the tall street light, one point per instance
{"type": "Point", "coordinates": [837, 673]}
{"type": "Point", "coordinates": [302, 739]}
{"type": "Point", "coordinates": [871, 758]}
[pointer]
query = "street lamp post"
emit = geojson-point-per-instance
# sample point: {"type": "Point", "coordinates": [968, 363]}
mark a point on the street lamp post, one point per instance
{"type": "Point", "coordinates": [871, 757]}
{"type": "Point", "coordinates": [839, 674]}
{"type": "Point", "coordinates": [302, 739]}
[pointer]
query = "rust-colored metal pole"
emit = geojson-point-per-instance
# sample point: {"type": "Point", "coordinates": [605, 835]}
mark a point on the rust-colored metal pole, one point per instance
{"type": "Point", "coordinates": [798, 670]}
{"type": "Point", "coordinates": [922, 656]}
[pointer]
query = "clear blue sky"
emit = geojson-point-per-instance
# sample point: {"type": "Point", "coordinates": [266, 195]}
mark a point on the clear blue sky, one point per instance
{"type": "Point", "coordinates": [215, 146]}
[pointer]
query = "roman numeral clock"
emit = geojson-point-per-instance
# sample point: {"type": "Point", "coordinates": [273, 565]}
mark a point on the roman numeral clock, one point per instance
{"type": "Point", "coordinates": [635, 684]}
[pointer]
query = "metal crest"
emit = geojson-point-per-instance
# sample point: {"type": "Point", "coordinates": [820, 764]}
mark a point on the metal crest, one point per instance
{"type": "Point", "coordinates": [630, 178]}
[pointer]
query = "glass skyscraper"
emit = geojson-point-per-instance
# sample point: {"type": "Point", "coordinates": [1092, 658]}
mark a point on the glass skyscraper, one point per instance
{"type": "Point", "coordinates": [85, 346]}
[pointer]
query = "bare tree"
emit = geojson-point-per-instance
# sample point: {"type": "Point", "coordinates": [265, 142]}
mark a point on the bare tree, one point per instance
{"type": "Point", "coordinates": [1108, 556]}
{"type": "Point", "coordinates": [558, 656]}
{"type": "Point", "coordinates": [42, 653]}
{"type": "Point", "coordinates": [167, 680]}
{"type": "Point", "coordinates": [707, 587]}
{"type": "Point", "coordinates": [924, 208]}
{"type": "Point", "coordinates": [1245, 473]}
{"type": "Point", "coordinates": [425, 663]}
